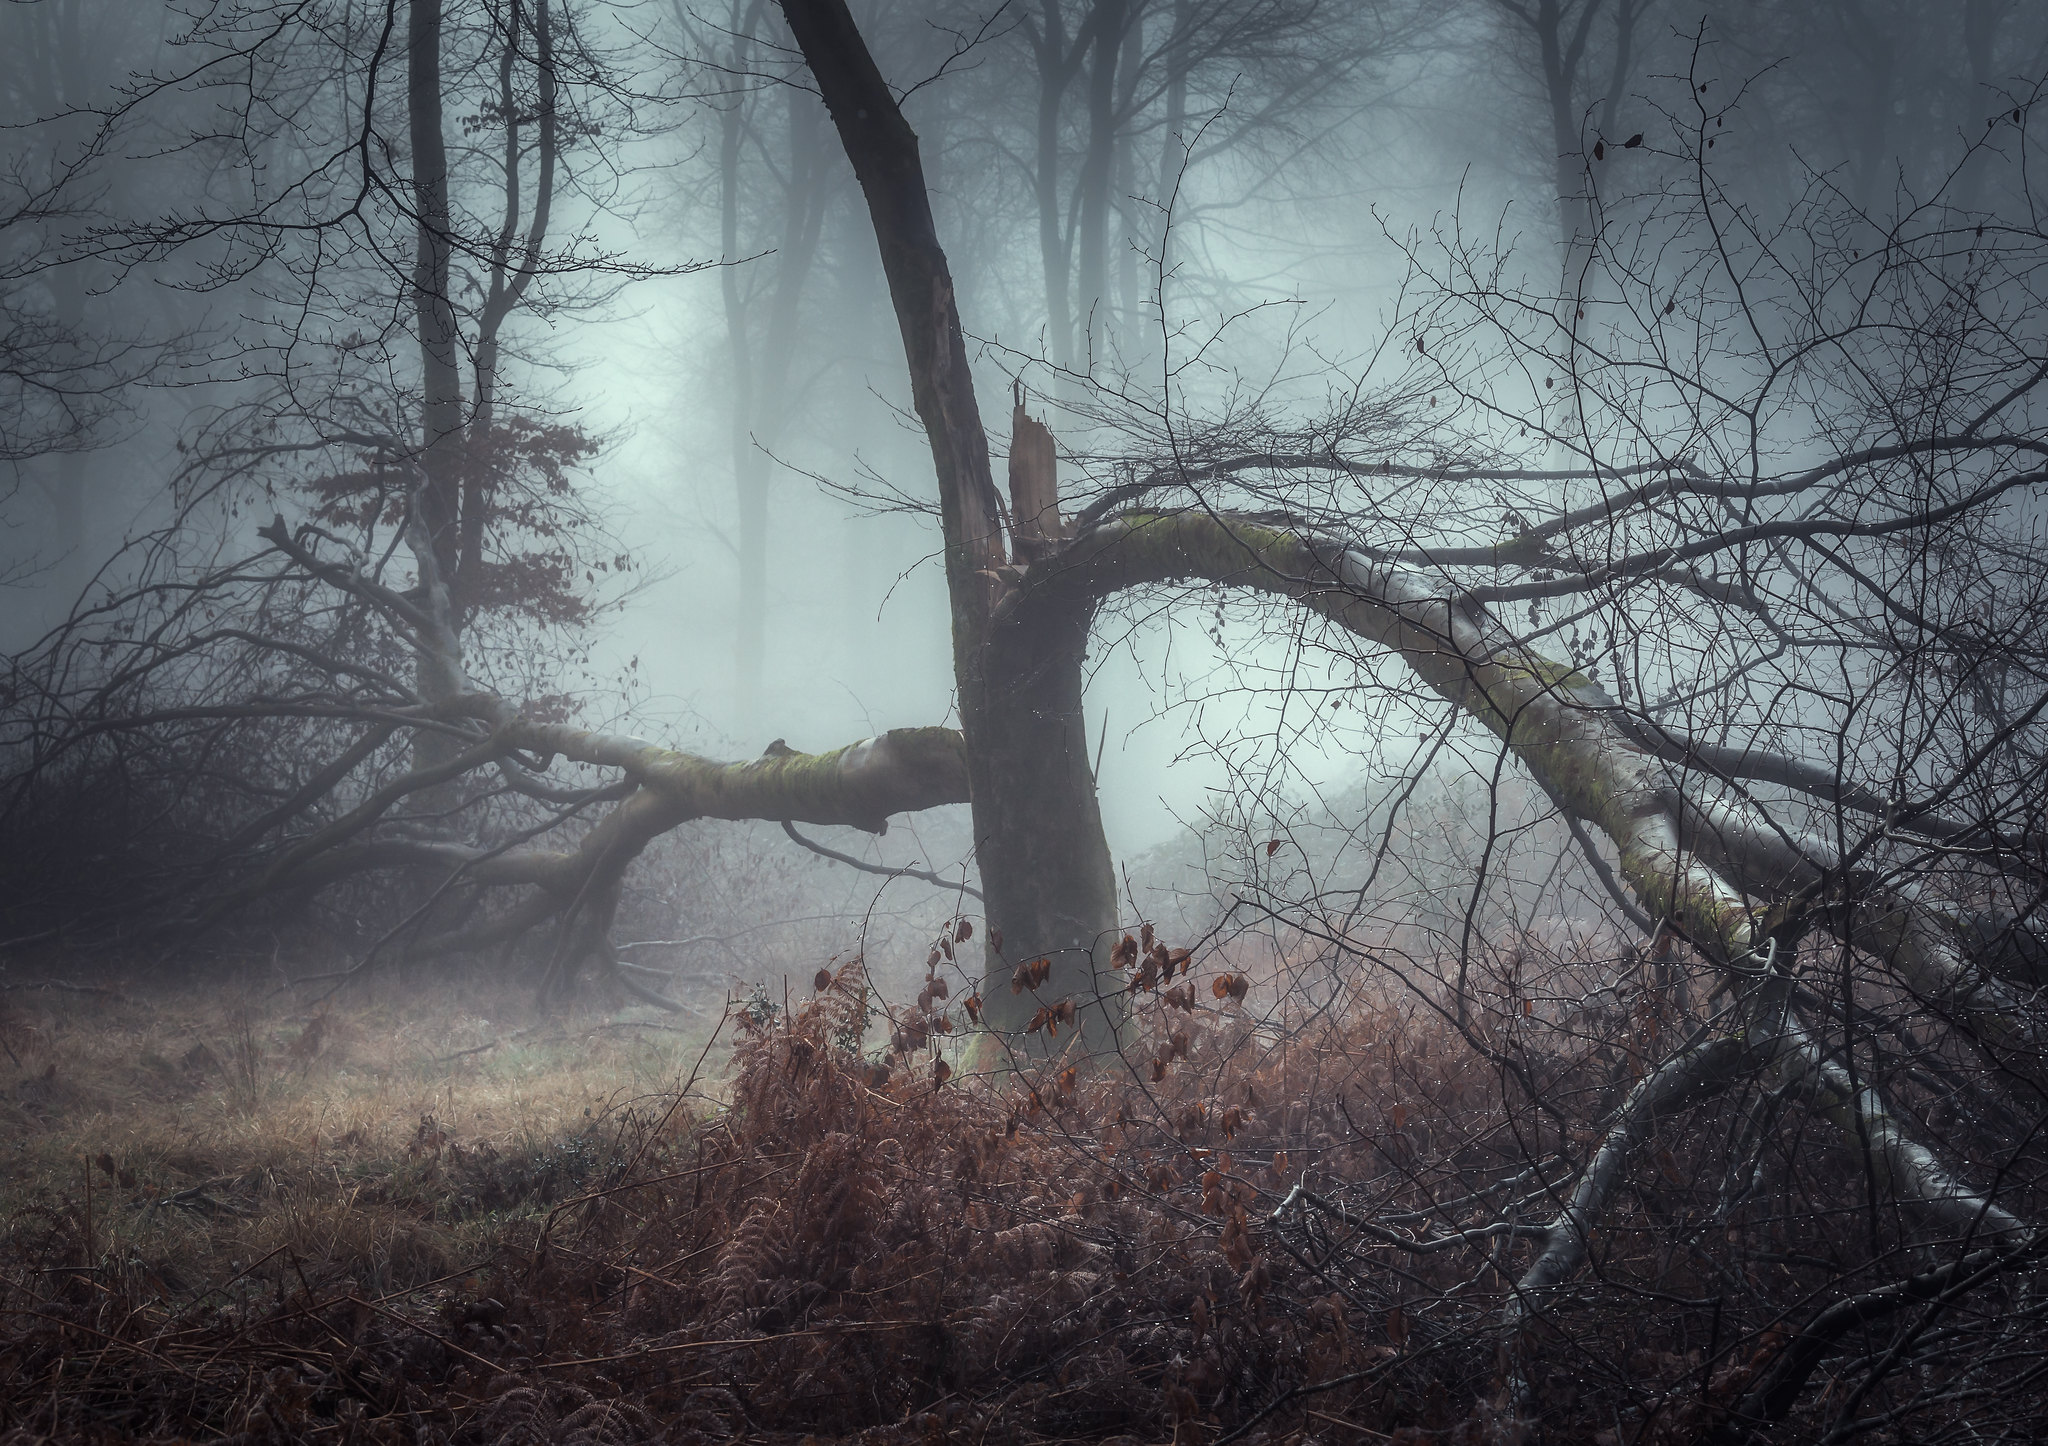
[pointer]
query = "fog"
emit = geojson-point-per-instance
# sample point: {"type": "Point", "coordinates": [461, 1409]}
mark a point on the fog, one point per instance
{"type": "Point", "coordinates": [1031, 721]}
{"type": "Point", "coordinates": [1304, 154]}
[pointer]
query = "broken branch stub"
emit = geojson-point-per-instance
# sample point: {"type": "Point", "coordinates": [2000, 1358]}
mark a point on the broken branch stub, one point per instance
{"type": "Point", "coordinates": [1034, 486]}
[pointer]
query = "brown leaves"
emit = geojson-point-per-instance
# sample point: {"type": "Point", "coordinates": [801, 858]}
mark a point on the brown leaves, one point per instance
{"type": "Point", "coordinates": [1229, 986]}
{"type": "Point", "coordinates": [1235, 1239]}
{"type": "Point", "coordinates": [941, 1072]}
{"type": "Point", "coordinates": [1050, 1017]}
{"type": "Point", "coordinates": [822, 981]}
{"type": "Point", "coordinates": [1273, 844]}
{"type": "Point", "coordinates": [1154, 962]}
{"type": "Point", "coordinates": [1030, 974]}
{"type": "Point", "coordinates": [1176, 1047]}
{"type": "Point", "coordinates": [972, 1004]}
{"type": "Point", "coordinates": [963, 932]}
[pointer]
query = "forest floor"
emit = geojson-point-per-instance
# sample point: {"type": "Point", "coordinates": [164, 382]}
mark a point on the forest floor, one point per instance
{"type": "Point", "coordinates": [211, 1132]}
{"type": "Point", "coordinates": [436, 1216]}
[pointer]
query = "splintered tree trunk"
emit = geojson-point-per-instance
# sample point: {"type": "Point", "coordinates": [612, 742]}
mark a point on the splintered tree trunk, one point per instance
{"type": "Point", "coordinates": [1048, 868]}
{"type": "Point", "coordinates": [1038, 831]}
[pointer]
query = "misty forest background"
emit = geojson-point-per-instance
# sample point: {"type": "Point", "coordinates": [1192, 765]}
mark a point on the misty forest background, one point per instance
{"type": "Point", "coordinates": [1545, 589]}
{"type": "Point", "coordinates": [1301, 147]}
{"type": "Point", "coordinates": [1209, 220]}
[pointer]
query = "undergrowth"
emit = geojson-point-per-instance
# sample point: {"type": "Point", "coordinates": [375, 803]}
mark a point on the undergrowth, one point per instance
{"type": "Point", "coordinates": [403, 1232]}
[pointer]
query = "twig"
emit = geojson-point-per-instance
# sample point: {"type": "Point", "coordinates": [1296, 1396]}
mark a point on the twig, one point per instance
{"type": "Point", "coordinates": [1340, 1421]}
{"type": "Point", "coordinates": [846, 1328]}
{"type": "Point", "coordinates": [865, 867]}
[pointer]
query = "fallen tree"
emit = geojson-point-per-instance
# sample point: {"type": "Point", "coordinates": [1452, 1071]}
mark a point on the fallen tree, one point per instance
{"type": "Point", "coordinates": [1860, 634]}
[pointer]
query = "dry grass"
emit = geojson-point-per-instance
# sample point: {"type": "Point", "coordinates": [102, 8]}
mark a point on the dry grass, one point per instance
{"type": "Point", "coordinates": [374, 1228]}
{"type": "Point", "coordinates": [387, 1142]}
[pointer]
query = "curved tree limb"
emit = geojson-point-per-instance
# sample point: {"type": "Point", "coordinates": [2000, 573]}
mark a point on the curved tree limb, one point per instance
{"type": "Point", "coordinates": [925, 875]}
{"type": "Point", "coordinates": [1903, 1168]}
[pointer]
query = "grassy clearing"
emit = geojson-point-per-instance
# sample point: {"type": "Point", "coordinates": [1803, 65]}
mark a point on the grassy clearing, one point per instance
{"type": "Point", "coordinates": [188, 1136]}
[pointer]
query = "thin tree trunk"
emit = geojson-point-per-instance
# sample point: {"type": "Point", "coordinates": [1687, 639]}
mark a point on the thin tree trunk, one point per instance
{"type": "Point", "coordinates": [433, 302]}
{"type": "Point", "coordinates": [761, 373]}
{"type": "Point", "coordinates": [1130, 308]}
{"type": "Point", "coordinates": [509, 281]}
{"type": "Point", "coordinates": [1097, 164]}
{"type": "Point", "coordinates": [749, 469]}
{"type": "Point", "coordinates": [1173, 149]}
{"type": "Point", "coordinates": [435, 535]}
{"type": "Point", "coordinates": [1054, 240]}
{"type": "Point", "coordinates": [1560, 70]}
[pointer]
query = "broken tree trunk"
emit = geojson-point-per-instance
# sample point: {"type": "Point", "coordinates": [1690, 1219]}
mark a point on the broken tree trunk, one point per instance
{"type": "Point", "coordinates": [1045, 864]}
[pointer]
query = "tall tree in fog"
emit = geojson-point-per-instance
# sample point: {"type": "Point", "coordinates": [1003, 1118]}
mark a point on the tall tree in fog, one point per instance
{"type": "Point", "coordinates": [416, 195]}
{"type": "Point", "coordinates": [1879, 93]}
{"type": "Point", "coordinates": [1098, 126]}
{"type": "Point", "coordinates": [470, 457]}
{"type": "Point", "coordinates": [774, 185]}
{"type": "Point", "coordinates": [1580, 57]}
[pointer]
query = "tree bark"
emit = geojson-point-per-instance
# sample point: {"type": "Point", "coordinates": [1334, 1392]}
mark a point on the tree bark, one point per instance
{"type": "Point", "coordinates": [433, 302]}
{"type": "Point", "coordinates": [1045, 864]}
{"type": "Point", "coordinates": [434, 531]}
